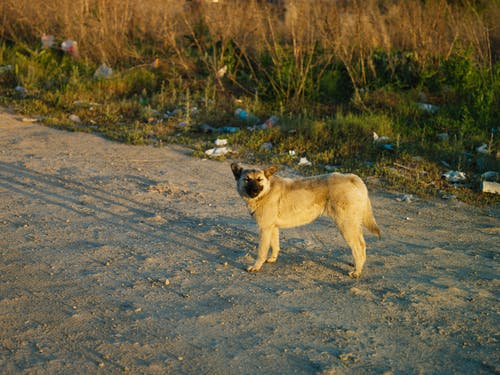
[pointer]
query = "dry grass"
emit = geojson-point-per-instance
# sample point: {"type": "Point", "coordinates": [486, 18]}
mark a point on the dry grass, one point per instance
{"type": "Point", "coordinates": [120, 30]}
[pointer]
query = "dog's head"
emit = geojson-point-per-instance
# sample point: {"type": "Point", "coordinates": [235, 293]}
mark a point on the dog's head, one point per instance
{"type": "Point", "coordinates": [252, 183]}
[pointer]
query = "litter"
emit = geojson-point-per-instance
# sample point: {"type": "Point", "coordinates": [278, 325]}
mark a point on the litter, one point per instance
{"type": "Point", "coordinates": [427, 107]}
{"type": "Point", "coordinates": [483, 149]}
{"type": "Point", "coordinates": [270, 122]}
{"type": "Point", "coordinates": [454, 176]}
{"type": "Point", "coordinates": [388, 146]}
{"type": "Point", "coordinates": [47, 41]}
{"type": "Point", "coordinates": [218, 151]}
{"type": "Point", "coordinates": [267, 146]}
{"type": "Point", "coordinates": [220, 148]}
{"type": "Point", "coordinates": [229, 129]}
{"type": "Point", "coordinates": [491, 187]}
{"type": "Point", "coordinates": [331, 168]}
{"type": "Point", "coordinates": [220, 142]}
{"type": "Point", "coordinates": [406, 198]}
{"type": "Point", "coordinates": [490, 175]}
{"type": "Point", "coordinates": [32, 119]}
{"type": "Point", "coordinates": [222, 72]}
{"type": "Point", "coordinates": [291, 152]}
{"type": "Point", "coordinates": [304, 162]}
{"type": "Point", "coordinates": [70, 47]}
{"type": "Point", "coordinates": [246, 116]}
{"type": "Point", "coordinates": [103, 72]}
{"type": "Point", "coordinates": [75, 118]}
{"type": "Point", "coordinates": [445, 195]}
{"type": "Point", "coordinates": [443, 137]}
{"type": "Point", "coordinates": [383, 141]}
{"type": "Point", "coordinates": [5, 68]}
{"type": "Point", "coordinates": [21, 90]}
{"type": "Point", "coordinates": [205, 127]}
{"type": "Point", "coordinates": [379, 139]}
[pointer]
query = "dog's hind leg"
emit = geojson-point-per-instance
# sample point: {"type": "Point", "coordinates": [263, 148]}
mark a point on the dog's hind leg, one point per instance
{"type": "Point", "coordinates": [275, 246]}
{"type": "Point", "coordinates": [353, 235]}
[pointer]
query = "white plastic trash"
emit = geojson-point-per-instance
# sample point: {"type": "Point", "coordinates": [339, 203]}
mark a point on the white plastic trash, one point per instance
{"type": "Point", "coordinates": [218, 151]}
{"type": "Point", "coordinates": [454, 176]}
{"type": "Point", "coordinates": [75, 118]}
{"type": "Point", "coordinates": [103, 72]}
{"type": "Point", "coordinates": [304, 162]}
{"type": "Point", "coordinates": [220, 142]}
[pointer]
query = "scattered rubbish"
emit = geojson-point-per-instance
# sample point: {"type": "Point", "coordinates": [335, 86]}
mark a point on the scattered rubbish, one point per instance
{"type": "Point", "coordinates": [220, 148]}
{"type": "Point", "coordinates": [332, 168]}
{"type": "Point", "coordinates": [483, 149]}
{"type": "Point", "coordinates": [388, 146]}
{"type": "Point", "coordinates": [220, 142]}
{"type": "Point", "coordinates": [218, 151]}
{"type": "Point", "coordinates": [491, 187]}
{"type": "Point", "coordinates": [267, 146]}
{"type": "Point", "coordinates": [383, 141]}
{"type": "Point", "coordinates": [246, 116]}
{"type": "Point", "coordinates": [47, 41]}
{"type": "Point", "coordinates": [406, 198]}
{"type": "Point", "coordinates": [411, 169]}
{"type": "Point", "coordinates": [291, 152]}
{"type": "Point", "coordinates": [229, 129]}
{"type": "Point", "coordinates": [427, 107]}
{"type": "Point", "coordinates": [182, 124]}
{"type": "Point", "coordinates": [454, 176]}
{"type": "Point", "coordinates": [5, 68]}
{"type": "Point", "coordinates": [75, 118]}
{"type": "Point", "coordinates": [21, 90]}
{"type": "Point", "coordinates": [270, 122]}
{"type": "Point", "coordinates": [205, 127]}
{"type": "Point", "coordinates": [446, 164]}
{"type": "Point", "coordinates": [445, 195]}
{"type": "Point", "coordinates": [32, 119]}
{"type": "Point", "coordinates": [222, 72]}
{"type": "Point", "coordinates": [70, 47]}
{"type": "Point", "coordinates": [304, 162]}
{"type": "Point", "coordinates": [490, 175]}
{"type": "Point", "coordinates": [103, 72]}
{"type": "Point", "coordinates": [443, 137]}
{"type": "Point", "coordinates": [84, 104]}
{"type": "Point", "coordinates": [379, 139]}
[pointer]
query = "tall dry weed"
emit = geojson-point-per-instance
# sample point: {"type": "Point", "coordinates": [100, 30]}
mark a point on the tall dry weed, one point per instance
{"type": "Point", "coordinates": [310, 33]}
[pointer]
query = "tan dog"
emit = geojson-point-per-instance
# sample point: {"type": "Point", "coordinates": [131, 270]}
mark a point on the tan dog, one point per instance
{"type": "Point", "coordinates": [276, 202]}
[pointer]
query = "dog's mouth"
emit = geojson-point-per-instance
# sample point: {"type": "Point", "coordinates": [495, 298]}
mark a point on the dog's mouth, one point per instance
{"type": "Point", "coordinates": [253, 189]}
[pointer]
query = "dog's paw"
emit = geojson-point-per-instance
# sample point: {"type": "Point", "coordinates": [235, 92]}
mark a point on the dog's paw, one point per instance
{"type": "Point", "coordinates": [355, 274]}
{"type": "Point", "coordinates": [271, 260]}
{"type": "Point", "coordinates": [253, 268]}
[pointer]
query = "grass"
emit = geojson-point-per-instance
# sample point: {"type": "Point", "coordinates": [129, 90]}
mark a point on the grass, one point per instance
{"type": "Point", "coordinates": [333, 76]}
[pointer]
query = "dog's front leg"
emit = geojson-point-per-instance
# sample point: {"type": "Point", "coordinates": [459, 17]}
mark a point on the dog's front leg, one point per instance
{"type": "Point", "coordinates": [264, 243]}
{"type": "Point", "coordinates": [275, 245]}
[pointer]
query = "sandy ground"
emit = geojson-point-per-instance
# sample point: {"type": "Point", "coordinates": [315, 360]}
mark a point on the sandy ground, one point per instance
{"type": "Point", "coordinates": [118, 258]}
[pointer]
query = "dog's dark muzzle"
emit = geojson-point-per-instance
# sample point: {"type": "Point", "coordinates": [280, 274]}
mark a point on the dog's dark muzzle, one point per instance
{"type": "Point", "coordinates": [253, 189]}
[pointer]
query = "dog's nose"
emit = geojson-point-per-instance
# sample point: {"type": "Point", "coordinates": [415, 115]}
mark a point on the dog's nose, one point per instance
{"type": "Point", "coordinates": [253, 189]}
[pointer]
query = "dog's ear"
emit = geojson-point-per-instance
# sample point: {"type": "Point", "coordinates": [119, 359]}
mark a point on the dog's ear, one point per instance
{"type": "Point", "coordinates": [268, 172]}
{"type": "Point", "coordinates": [235, 167]}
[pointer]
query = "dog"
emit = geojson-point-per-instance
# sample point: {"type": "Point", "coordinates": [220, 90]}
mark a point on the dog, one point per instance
{"type": "Point", "coordinates": [275, 202]}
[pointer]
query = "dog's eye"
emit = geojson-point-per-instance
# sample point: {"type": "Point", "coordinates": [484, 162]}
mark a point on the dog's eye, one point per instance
{"type": "Point", "coordinates": [259, 179]}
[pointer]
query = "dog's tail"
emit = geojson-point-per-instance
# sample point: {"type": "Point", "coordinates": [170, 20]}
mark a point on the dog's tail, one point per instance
{"type": "Point", "coordinates": [369, 220]}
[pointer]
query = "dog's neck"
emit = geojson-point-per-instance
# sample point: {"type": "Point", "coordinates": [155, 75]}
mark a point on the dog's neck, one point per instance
{"type": "Point", "coordinates": [253, 204]}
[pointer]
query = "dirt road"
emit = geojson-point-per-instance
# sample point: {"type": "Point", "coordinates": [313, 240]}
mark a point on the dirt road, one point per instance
{"type": "Point", "coordinates": [118, 258]}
